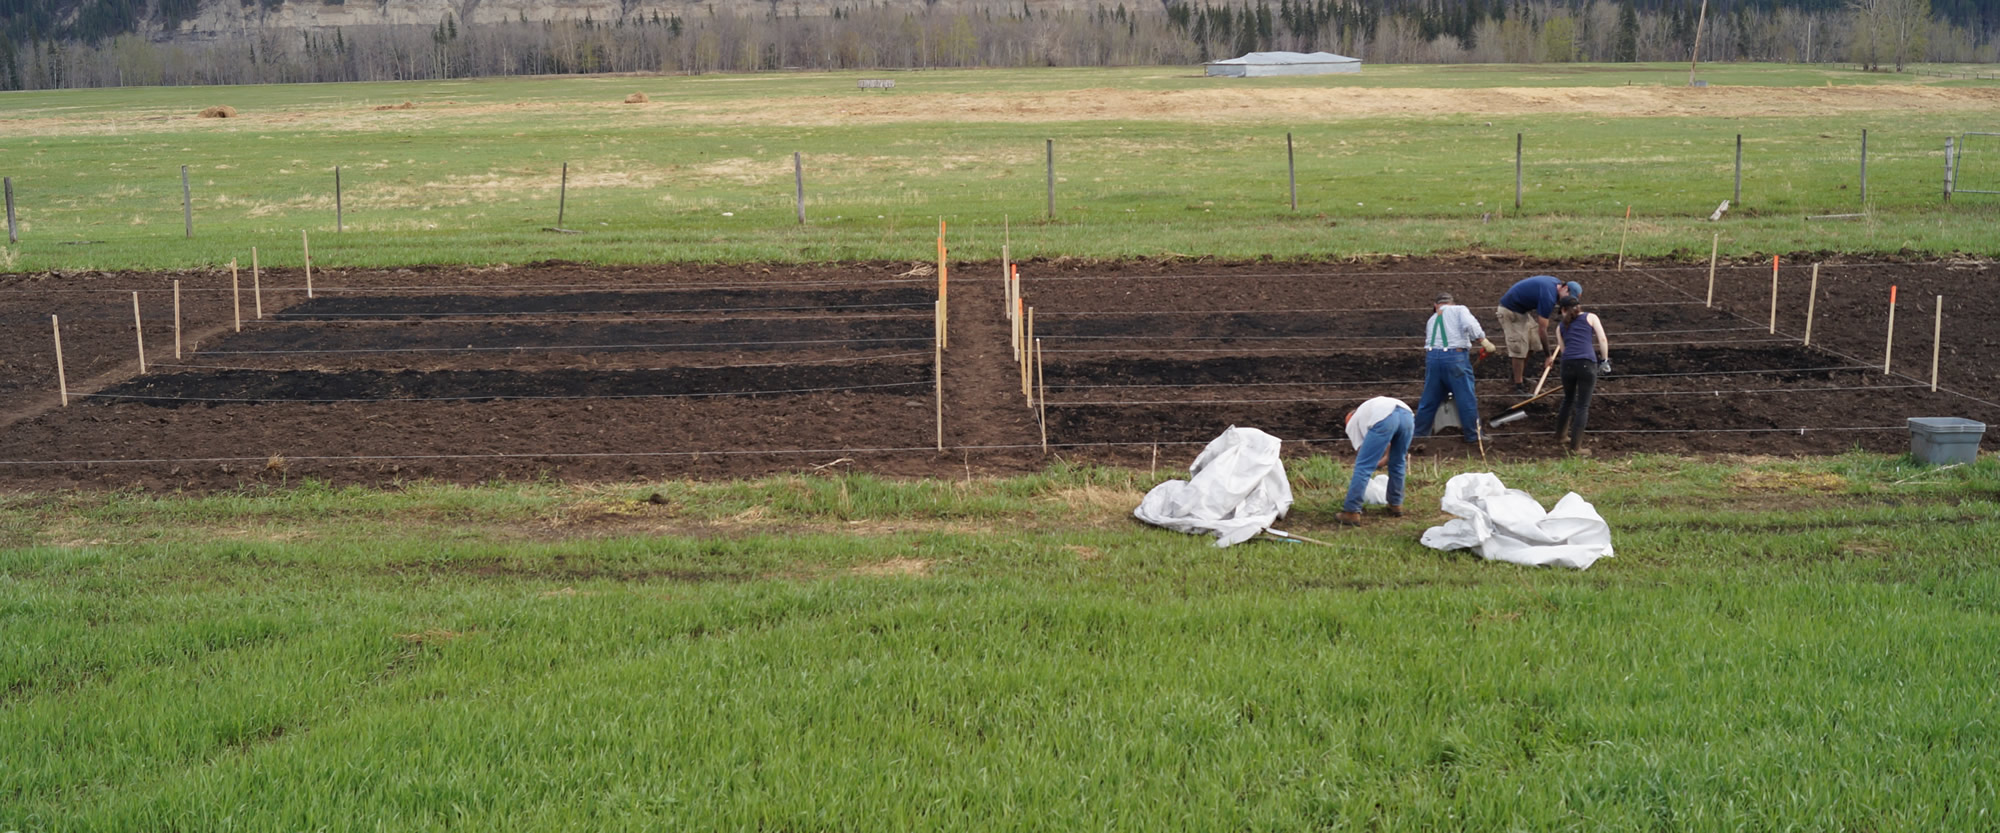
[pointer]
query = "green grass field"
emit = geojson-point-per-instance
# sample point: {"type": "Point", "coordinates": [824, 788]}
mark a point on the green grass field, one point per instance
{"type": "Point", "coordinates": [1776, 645]}
{"type": "Point", "coordinates": [1150, 161]}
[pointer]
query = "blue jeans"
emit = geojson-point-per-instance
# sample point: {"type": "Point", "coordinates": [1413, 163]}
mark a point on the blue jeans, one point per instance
{"type": "Point", "coordinates": [1448, 371]}
{"type": "Point", "coordinates": [1392, 434]}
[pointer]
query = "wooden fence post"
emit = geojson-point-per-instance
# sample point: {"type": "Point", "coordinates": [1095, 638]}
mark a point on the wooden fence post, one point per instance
{"type": "Point", "coordinates": [1864, 167]}
{"type": "Point", "coordinates": [1739, 172]}
{"type": "Point", "coordinates": [62, 382]}
{"type": "Point", "coordinates": [139, 332]}
{"type": "Point", "coordinates": [187, 202]}
{"type": "Point", "coordinates": [1052, 178]}
{"type": "Point", "coordinates": [339, 224]}
{"type": "Point", "coordinates": [562, 197]}
{"type": "Point", "coordinates": [799, 182]}
{"type": "Point", "coordinates": [305, 243]}
{"type": "Point", "coordinates": [13, 234]}
{"type": "Point", "coordinates": [1291, 172]}
{"type": "Point", "coordinates": [1517, 172]}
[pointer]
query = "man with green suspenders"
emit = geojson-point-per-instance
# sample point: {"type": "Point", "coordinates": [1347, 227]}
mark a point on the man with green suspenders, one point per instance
{"type": "Point", "coordinates": [1449, 338]}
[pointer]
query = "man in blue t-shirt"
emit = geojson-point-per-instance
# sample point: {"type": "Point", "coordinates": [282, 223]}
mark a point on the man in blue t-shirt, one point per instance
{"type": "Point", "coordinates": [1525, 311]}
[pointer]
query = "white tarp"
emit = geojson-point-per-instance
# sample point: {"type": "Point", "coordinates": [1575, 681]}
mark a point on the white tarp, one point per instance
{"type": "Point", "coordinates": [1236, 488]}
{"type": "Point", "coordinates": [1259, 64]}
{"type": "Point", "coordinates": [1509, 525]}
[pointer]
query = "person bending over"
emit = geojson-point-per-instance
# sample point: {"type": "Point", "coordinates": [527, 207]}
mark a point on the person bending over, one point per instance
{"type": "Point", "coordinates": [1380, 430]}
{"type": "Point", "coordinates": [1525, 311]}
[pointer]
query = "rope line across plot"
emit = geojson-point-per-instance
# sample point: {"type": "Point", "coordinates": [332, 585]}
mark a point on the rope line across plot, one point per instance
{"type": "Point", "coordinates": [496, 396]}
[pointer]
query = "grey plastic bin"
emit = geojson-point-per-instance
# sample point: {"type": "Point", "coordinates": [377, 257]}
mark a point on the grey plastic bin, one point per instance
{"type": "Point", "coordinates": [1945, 440]}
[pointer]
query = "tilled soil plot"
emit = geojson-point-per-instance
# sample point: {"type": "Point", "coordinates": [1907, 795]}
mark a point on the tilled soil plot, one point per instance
{"type": "Point", "coordinates": [615, 373]}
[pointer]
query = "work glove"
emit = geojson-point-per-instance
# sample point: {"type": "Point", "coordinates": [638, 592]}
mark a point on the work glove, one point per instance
{"type": "Point", "coordinates": [1604, 368]}
{"type": "Point", "coordinates": [1486, 346]}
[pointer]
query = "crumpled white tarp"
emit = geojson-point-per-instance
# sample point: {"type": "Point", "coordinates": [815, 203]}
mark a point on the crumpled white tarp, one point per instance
{"type": "Point", "coordinates": [1509, 525]}
{"type": "Point", "coordinates": [1236, 489]}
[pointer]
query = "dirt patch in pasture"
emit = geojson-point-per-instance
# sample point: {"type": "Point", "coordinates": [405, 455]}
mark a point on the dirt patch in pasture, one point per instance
{"type": "Point", "coordinates": [895, 567]}
{"type": "Point", "coordinates": [714, 372]}
{"type": "Point", "coordinates": [221, 112]}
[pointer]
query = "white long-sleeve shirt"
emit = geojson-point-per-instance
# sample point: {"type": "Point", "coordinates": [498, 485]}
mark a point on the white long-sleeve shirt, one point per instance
{"type": "Point", "coordinates": [1452, 327]}
{"type": "Point", "coordinates": [1371, 412]}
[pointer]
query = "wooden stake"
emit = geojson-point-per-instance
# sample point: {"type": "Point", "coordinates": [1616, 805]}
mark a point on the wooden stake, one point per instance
{"type": "Point", "coordinates": [562, 198]}
{"type": "Point", "coordinates": [1042, 394]}
{"type": "Point", "coordinates": [937, 363]}
{"type": "Point", "coordinates": [1006, 282]}
{"type": "Point", "coordinates": [944, 289]}
{"type": "Point", "coordinates": [1774, 293]}
{"type": "Point", "coordinates": [306, 243]}
{"type": "Point", "coordinates": [339, 224]}
{"type": "Point", "coordinates": [1937, 339]}
{"type": "Point", "coordinates": [1713, 247]}
{"type": "Point", "coordinates": [1623, 237]}
{"type": "Point", "coordinates": [1812, 297]}
{"type": "Point", "coordinates": [187, 202]}
{"type": "Point", "coordinates": [62, 382]}
{"type": "Point", "coordinates": [1889, 340]}
{"type": "Point", "coordinates": [236, 293]}
{"type": "Point", "coordinates": [139, 331]}
{"type": "Point", "coordinates": [799, 181]}
{"type": "Point", "coordinates": [177, 319]}
{"type": "Point", "coordinates": [1027, 378]}
{"type": "Point", "coordinates": [256, 283]}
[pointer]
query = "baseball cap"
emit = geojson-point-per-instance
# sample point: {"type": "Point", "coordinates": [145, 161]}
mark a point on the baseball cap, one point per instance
{"type": "Point", "coordinates": [1442, 298]}
{"type": "Point", "coordinates": [1575, 290]}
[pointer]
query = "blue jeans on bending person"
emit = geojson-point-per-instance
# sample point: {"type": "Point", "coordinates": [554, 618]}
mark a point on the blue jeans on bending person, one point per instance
{"type": "Point", "coordinates": [1392, 434]}
{"type": "Point", "coordinates": [1448, 371]}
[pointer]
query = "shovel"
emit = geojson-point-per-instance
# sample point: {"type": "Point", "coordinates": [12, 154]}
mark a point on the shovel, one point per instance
{"type": "Point", "coordinates": [1514, 411]}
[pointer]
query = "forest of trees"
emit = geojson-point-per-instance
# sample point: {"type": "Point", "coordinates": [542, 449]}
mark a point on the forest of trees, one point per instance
{"type": "Point", "coordinates": [37, 54]}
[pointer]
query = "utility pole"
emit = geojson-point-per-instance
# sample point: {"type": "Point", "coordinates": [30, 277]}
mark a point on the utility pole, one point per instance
{"type": "Point", "coordinates": [1696, 59]}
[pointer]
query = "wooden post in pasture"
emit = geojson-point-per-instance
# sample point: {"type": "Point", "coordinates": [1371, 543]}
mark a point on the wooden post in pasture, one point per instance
{"type": "Point", "coordinates": [562, 197]}
{"type": "Point", "coordinates": [62, 381]}
{"type": "Point", "coordinates": [1739, 171]}
{"type": "Point", "coordinates": [256, 284]}
{"type": "Point", "coordinates": [799, 185]}
{"type": "Point", "coordinates": [13, 234]}
{"type": "Point", "coordinates": [1713, 247]}
{"type": "Point", "coordinates": [1812, 297]}
{"type": "Point", "coordinates": [339, 224]}
{"type": "Point", "coordinates": [305, 243]}
{"type": "Point", "coordinates": [1937, 340]}
{"type": "Point", "coordinates": [1052, 178]}
{"type": "Point", "coordinates": [1292, 173]}
{"type": "Point", "coordinates": [1864, 167]}
{"type": "Point", "coordinates": [187, 202]}
{"type": "Point", "coordinates": [1622, 237]}
{"type": "Point", "coordinates": [937, 366]}
{"type": "Point", "coordinates": [1695, 59]}
{"type": "Point", "coordinates": [139, 332]}
{"type": "Point", "coordinates": [1517, 172]}
{"type": "Point", "coordinates": [177, 319]}
{"type": "Point", "coordinates": [1948, 158]}
{"type": "Point", "coordinates": [1889, 340]}
{"type": "Point", "coordinates": [1774, 293]}
{"type": "Point", "coordinates": [236, 294]}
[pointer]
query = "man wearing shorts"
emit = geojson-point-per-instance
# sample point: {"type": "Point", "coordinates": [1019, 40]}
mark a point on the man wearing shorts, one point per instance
{"type": "Point", "coordinates": [1525, 311]}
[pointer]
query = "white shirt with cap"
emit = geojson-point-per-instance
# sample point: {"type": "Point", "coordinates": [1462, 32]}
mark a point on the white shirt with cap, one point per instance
{"type": "Point", "coordinates": [1452, 327]}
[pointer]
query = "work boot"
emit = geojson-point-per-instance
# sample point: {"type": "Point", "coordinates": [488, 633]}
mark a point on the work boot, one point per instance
{"type": "Point", "coordinates": [1394, 511]}
{"type": "Point", "coordinates": [1578, 450]}
{"type": "Point", "coordinates": [1562, 434]}
{"type": "Point", "coordinates": [1348, 518]}
{"type": "Point", "coordinates": [1521, 388]}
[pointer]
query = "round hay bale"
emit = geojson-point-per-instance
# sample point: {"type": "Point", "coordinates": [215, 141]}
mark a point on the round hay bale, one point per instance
{"type": "Point", "coordinates": [223, 112]}
{"type": "Point", "coordinates": [637, 98]}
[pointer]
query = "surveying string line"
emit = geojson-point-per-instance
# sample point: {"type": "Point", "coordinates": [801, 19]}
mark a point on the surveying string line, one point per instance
{"type": "Point", "coordinates": [1801, 430]}
{"type": "Point", "coordinates": [1405, 349]}
{"type": "Point", "coordinates": [564, 369]}
{"type": "Point", "coordinates": [1605, 394]}
{"type": "Point", "coordinates": [412, 320]}
{"type": "Point", "coordinates": [1361, 310]}
{"type": "Point", "coordinates": [1349, 338]}
{"type": "Point", "coordinates": [474, 289]}
{"type": "Point", "coordinates": [493, 397]}
{"type": "Point", "coordinates": [428, 315]}
{"type": "Point", "coordinates": [1497, 272]}
{"type": "Point", "coordinates": [552, 347]}
{"type": "Point", "coordinates": [1400, 382]}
